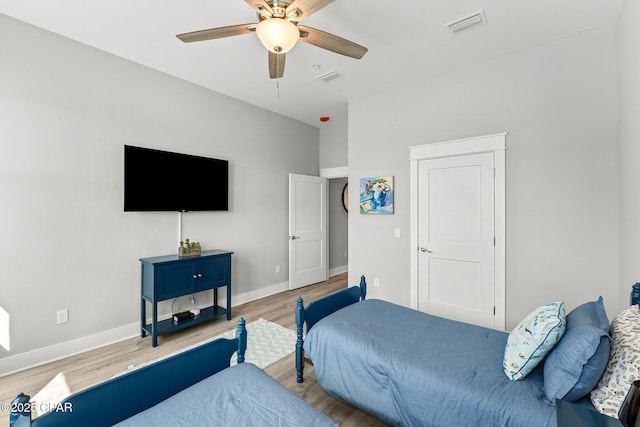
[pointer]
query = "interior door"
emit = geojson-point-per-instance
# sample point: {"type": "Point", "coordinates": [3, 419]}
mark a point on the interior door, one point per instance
{"type": "Point", "coordinates": [456, 238]}
{"type": "Point", "coordinates": [308, 238]}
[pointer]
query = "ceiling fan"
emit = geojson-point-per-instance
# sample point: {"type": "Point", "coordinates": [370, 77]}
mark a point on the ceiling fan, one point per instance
{"type": "Point", "coordinates": [278, 30]}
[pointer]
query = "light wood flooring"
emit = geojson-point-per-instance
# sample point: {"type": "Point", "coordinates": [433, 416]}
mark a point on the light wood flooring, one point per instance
{"type": "Point", "coordinates": [91, 367]}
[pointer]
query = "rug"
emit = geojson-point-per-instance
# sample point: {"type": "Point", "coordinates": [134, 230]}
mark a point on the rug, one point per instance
{"type": "Point", "coordinates": [267, 342]}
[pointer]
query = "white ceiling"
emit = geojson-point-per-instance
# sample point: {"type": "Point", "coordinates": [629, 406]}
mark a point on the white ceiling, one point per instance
{"type": "Point", "coordinates": [407, 41]}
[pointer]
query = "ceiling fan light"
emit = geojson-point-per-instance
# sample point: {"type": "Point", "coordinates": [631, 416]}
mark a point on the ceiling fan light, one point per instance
{"type": "Point", "coordinates": [278, 35]}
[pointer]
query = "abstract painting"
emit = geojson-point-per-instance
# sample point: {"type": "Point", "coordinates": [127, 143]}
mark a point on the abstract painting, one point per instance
{"type": "Point", "coordinates": [376, 195]}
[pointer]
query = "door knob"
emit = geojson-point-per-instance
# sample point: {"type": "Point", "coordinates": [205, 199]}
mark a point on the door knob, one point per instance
{"type": "Point", "coordinates": [294, 237]}
{"type": "Point", "coordinates": [423, 249]}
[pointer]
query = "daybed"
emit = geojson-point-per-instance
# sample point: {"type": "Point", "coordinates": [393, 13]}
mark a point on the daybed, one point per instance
{"type": "Point", "coordinates": [410, 368]}
{"type": "Point", "coordinates": [193, 388]}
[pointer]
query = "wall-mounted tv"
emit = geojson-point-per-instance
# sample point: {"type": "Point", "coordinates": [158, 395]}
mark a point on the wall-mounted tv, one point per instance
{"type": "Point", "coordinates": [156, 180]}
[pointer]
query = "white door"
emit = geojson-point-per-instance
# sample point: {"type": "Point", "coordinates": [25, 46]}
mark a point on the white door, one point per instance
{"type": "Point", "coordinates": [308, 248]}
{"type": "Point", "coordinates": [456, 240]}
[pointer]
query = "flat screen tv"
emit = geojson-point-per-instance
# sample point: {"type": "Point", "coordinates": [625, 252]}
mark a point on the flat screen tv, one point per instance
{"type": "Point", "coordinates": [156, 180]}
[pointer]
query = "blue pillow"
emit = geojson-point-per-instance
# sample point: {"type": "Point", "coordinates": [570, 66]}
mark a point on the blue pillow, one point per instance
{"type": "Point", "coordinates": [576, 364]}
{"type": "Point", "coordinates": [532, 339]}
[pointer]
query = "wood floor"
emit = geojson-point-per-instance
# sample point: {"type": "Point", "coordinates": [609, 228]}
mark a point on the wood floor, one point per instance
{"type": "Point", "coordinates": [86, 369]}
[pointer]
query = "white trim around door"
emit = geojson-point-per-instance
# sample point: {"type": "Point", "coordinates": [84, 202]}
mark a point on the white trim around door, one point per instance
{"type": "Point", "coordinates": [337, 172]}
{"type": "Point", "coordinates": [495, 144]}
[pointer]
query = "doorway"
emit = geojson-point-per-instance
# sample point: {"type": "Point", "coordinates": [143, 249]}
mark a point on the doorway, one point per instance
{"type": "Point", "coordinates": [457, 230]}
{"type": "Point", "coordinates": [338, 219]}
{"type": "Point", "coordinates": [338, 227]}
{"type": "Point", "coordinates": [318, 227]}
{"type": "Point", "coordinates": [308, 230]}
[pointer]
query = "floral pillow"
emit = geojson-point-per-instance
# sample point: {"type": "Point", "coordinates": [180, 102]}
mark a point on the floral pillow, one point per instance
{"type": "Point", "coordinates": [532, 339]}
{"type": "Point", "coordinates": [623, 367]}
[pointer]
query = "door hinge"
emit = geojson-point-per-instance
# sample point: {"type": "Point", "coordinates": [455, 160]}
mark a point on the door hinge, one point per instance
{"type": "Point", "coordinates": [494, 310]}
{"type": "Point", "coordinates": [494, 240]}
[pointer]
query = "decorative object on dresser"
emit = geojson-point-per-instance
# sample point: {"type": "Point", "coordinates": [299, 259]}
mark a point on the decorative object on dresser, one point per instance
{"type": "Point", "coordinates": [171, 276]}
{"type": "Point", "coordinates": [187, 248]}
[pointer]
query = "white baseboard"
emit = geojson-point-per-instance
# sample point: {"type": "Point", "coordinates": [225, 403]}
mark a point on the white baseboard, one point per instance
{"type": "Point", "coordinates": [338, 270]}
{"type": "Point", "coordinates": [260, 293]}
{"type": "Point", "coordinates": [40, 356]}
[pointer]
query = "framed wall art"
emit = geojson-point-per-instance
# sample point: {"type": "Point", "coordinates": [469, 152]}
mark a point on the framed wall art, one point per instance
{"type": "Point", "coordinates": [376, 195]}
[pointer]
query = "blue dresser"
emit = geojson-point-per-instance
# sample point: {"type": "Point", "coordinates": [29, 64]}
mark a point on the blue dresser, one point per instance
{"type": "Point", "coordinates": [170, 276]}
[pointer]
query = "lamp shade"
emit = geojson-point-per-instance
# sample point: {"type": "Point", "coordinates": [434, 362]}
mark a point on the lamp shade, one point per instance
{"type": "Point", "coordinates": [277, 35]}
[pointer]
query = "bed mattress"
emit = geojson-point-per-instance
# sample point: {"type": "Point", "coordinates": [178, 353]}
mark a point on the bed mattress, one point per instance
{"type": "Point", "coordinates": [410, 368]}
{"type": "Point", "coordinates": [242, 395]}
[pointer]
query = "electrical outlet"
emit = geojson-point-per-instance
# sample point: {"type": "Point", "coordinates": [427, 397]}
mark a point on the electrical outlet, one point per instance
{"type": "Point", "coordinates": [62, 316]}
{"type": "Point", "coordinates": [277, 268]}
{"type": "Point", "coordinates": [376, 282]}
{"type": "Point", "coordinates": [346, 254]}
{"type": "Point", "coordinates": [396, 232]}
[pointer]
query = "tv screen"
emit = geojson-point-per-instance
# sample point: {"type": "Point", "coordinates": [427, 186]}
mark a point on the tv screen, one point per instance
{"type": "Point", "coordinates": [157, 180]}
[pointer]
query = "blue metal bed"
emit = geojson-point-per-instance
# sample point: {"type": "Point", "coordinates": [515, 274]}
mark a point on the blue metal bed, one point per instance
{"type": "Point", "coordinates": [196, 387]}
{"type": "Point", "coordinates": [410, 368]}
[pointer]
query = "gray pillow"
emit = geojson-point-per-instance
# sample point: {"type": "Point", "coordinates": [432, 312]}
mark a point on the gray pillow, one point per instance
{"type": "Point", "coordinates": [572, 369]}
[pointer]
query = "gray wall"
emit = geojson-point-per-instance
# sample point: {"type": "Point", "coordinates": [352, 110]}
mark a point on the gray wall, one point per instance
{"type": "Point", "coordinates": [333, 153]}
{"type": "Point", "coordinates": [338, 227]}
{"type": "Point", "coordinates": [558, 102]}
{"type": "Point", "coordinates": [333, 139]}
{"type": "Point", "coordinates": [629, 75]}
{"type": "Point", "coordinates": [66, 110]}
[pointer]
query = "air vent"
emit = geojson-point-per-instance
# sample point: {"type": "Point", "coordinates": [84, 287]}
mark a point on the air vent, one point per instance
{"type": "Point", "coordinates": [328, 76]}
{"type": "Point", "coordinates": [467, 21]}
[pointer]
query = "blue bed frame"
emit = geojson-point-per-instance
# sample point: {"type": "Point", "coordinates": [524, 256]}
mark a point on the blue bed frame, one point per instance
{"type": "Point", "coordinates": [119, 398]}
{"type": "Point", "coordinates": [568, 414]}
{"type": "Point", "coordinates": [319, 309]}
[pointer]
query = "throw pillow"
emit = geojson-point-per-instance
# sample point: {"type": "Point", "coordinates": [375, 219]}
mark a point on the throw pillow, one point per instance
{"type": "Point", "coordinates": [624, 363]}
{"type": "Point", "coordinates": [532, 339]}
{"type": "Point", "coordinates": [572, 369]}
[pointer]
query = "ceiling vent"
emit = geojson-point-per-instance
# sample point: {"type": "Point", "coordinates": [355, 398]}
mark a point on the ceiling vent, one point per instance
{"type": "Point", "coordinates": [467, 21]}
{"type": "Point", "coordinates": [328, 76]}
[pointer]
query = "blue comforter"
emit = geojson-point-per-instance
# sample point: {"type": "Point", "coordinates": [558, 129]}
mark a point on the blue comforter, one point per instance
{"type": "Point", "coordinates": [409, 368]}
{"type": "Point", "coordinates": [242, 395]}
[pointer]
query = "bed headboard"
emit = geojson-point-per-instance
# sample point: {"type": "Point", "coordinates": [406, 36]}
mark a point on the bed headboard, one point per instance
{"type": "Point", "coordinates": [327, 305]}
{"type": "Point", "coordinates": [322, 308]}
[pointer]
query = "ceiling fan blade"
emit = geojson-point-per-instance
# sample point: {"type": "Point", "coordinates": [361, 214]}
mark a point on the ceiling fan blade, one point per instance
{"type": "Point", "coordinates": [331, 42]}
{"type": "Point", "coordinates": [217, 33]}
{"type": "Point", "coordinates": [306, 7]}
{"type": "Point", "coordinates": [261, 6]}
{"type": "Point", "coordinates": [276, 65]}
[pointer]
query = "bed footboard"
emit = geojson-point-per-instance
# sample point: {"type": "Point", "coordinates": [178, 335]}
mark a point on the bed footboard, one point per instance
{"type": "Point", "coordinates": [319, 309]}
{"type": "Point", "coordinates": [119, 398]}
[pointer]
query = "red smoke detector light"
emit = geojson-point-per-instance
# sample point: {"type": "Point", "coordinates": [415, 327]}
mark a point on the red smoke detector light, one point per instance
{"type": "Point", "coordinates": [324, 118]}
